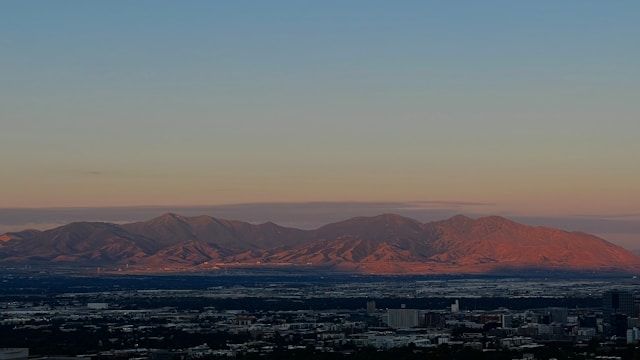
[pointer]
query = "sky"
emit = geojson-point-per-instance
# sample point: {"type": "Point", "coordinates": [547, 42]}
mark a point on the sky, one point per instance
{"type": "Point", "coordinates": [531, 107]}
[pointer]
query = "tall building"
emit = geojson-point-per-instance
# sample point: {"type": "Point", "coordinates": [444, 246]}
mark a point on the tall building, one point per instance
{"type": "Point", "coordinates": [403, 318]}
{"type": "Point", "coordinates": [434, 319]}
{"type": "Point", "coordinates": [557, 315]}
{"type": "Point", "coordinates": [371, 307]}
{"type": "Point", "coordinates": [633, 335]}
{"type": "Point", "coordinates": [619, 325]}
{"type": "Point", "coordinates": [618, 302]}
{"type": "Point", "coordinates": [507, 321]}
{"type": "Point", "coordinates": [455, 307]}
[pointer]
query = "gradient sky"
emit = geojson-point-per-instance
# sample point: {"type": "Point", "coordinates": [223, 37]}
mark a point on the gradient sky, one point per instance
{"type": "Point", "coordinates": [533, 107]}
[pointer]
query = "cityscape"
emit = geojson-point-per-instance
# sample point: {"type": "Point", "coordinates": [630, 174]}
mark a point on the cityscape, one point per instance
{"type": "Point", "coordinates": [320, 180]}
{"type": "Point", "coordinates": [280, 315]}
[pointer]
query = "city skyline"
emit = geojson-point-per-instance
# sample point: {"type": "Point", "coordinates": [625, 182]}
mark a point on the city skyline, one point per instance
{"type": "Point", "coordinates": [334, 180]}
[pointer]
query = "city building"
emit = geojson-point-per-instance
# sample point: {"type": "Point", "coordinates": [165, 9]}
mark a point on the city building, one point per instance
{"type": "Point", "coordinates": [507, 320]}
{"type": "Point", "coordinates": [371, 306]}
{"type": "Point", "coordinates": [618, 302]}
{"type": "Point", "coordinates": [434, 319]}
{"type": "Point", "coordinates": [403, 318]}
{"type": "Point", "coordinates": [455, 307]}
{"type": "Point", "coordinates": [633, 335]}
{"type": "Point", "coordinates": [557, 315]}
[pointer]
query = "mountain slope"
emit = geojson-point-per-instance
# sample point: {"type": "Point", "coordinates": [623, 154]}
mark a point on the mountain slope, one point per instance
{"type": "Point", "coordinates": [386, 243]}
{"type": "Point", "coordinates": [171, 229]}
{"type": "Point", "coordinates": [392, 244]}
{"type": "Point", "coordinates": [22, 235]}
{"type": "Point", "coordinates": [82, 243]}
{"type": "Point", "coordinates": [498, 240]}
{"type": "Point", "coordinates": [385, 237]}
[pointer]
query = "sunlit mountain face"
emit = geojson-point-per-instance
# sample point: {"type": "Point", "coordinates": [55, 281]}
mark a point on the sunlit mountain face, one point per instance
{"type": "Point", "coordinates": [383, 244]}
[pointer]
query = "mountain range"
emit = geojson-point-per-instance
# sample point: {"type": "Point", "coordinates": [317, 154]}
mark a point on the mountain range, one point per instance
{"type": "Point", "coordinates": [384, 244]}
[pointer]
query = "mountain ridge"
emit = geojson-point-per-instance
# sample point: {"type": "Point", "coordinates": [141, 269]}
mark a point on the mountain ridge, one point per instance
{"type": "Point", "coordinates": [382, 244]}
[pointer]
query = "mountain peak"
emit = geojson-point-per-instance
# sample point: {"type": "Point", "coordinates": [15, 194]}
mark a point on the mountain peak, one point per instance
{"type": "Point", "coordinates": [170, 215]}
{"type": "Point", "coordinates": [392, 218]}
{"type": "Point", "coordinates": [460, 218]}
{"type": "Point", "coordinates": [495, 220]}
{"type": "Point", "coordinates": [387, 218]}
{"type": "Point", "coordinates": [492, 221]}
{"type": "Point", "coordinates": [167, 218]}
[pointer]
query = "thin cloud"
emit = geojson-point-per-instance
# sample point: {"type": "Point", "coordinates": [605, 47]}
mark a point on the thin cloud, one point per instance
{"type": "Point", "coordinates": [432, 204]}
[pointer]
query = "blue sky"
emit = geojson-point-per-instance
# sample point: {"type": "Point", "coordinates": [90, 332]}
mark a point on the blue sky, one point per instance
{"type": "Point", "coordinates": [531, 106]}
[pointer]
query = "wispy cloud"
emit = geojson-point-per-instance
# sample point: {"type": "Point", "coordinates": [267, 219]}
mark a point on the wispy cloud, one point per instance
{"type": "Point", "coordinates": [609, 216]}
{"type": "Point", "coordinates": [437, 204]}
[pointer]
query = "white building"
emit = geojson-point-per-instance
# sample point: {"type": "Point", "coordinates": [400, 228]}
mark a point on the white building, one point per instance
{"type": "Point", "coordinates": [455, 307]}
